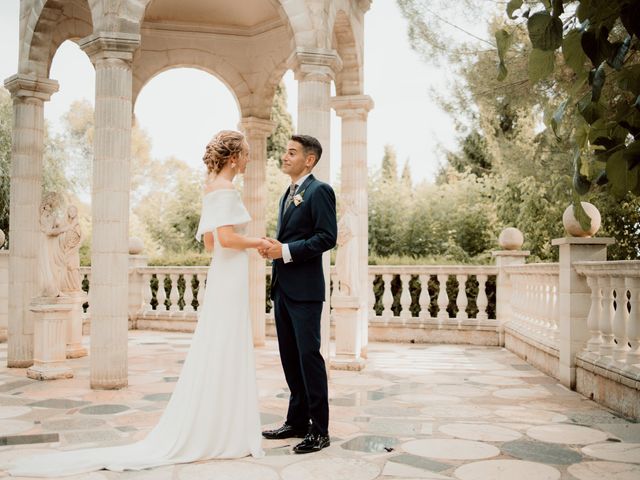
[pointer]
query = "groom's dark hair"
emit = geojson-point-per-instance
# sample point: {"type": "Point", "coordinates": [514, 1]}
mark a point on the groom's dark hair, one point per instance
{"type": "Point", "coordinates": [309, 145]}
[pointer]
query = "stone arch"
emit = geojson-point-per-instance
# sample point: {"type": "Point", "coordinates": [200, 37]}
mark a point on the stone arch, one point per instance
{"type": "Point", "coordinates": [349, 47]}
{"type": "Point", "coordinates": [216, 67]}
{"type": "Point", "coordinates": [49, 23]}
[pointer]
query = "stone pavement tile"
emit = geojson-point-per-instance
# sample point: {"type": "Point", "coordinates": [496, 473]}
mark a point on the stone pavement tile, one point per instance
{"type": "Point", "coordinates": [627, 432]}
{"type": "Point", "coordinates": [541, 452]}
{"type": "Point", "coordinates": [424, 401]}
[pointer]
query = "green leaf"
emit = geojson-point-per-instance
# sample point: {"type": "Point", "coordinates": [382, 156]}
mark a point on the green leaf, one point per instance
{"type": "Point", "coordinates": [558, 9]}
{"type": "Point", "coordinates": [503, 41]}
{"type": "Point", "coordinates": [589, 110]}
{"type": "Point", "coordinates": [580, 214]}
{"type": "Point", "coordinates": [631, 155]}
{"type": "Point", "coordinates": [556, 119]}
{"type": "Point", "coordinates": [572, 51]}
{"type": "Point", "coordinates": [596, 79]}
{"type": "Point", "coordinates": [629, 79]}
{"type": "Point", "coordinates": [545, 31]}
{"type": "Point", "coordinates": [596, 45]}
{"type": "Point", "coordinates": [512, 6]}
{"type": "Point", "coordinates": [620, 177]}
{"type": "Point", "coordinates": [630, 18]}
{"type": "Point", "coordinates": [541, 64]}
{"type": "Point", "coordinates": [581, 183]}
{"type": "Point", "coordinates": [621, 51]}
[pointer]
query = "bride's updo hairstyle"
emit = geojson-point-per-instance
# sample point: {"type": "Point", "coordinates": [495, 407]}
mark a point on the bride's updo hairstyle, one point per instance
{"type": "Point", "coordinates": [221, 149]}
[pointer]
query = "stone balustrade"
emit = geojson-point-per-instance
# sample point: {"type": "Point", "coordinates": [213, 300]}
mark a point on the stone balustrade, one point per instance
{"type": "Point", "coordinates": [614, 319]}
{"type": "Point", "coordinates": [535, 313]}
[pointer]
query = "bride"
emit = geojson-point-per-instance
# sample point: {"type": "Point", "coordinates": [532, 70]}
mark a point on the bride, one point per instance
{"type": "Point", "coordinates": [213, 412]}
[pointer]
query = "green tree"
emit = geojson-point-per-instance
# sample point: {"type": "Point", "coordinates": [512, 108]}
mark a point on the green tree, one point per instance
{"type": "Point", "coordinates": [389, 170]}
{"type": "Point", "coordinates": [597, 43]}
{"type": "Point", "coordinates": [277, 141]}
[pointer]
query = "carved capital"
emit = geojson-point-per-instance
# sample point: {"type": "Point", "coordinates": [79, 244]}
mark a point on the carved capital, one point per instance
{"type": "Point", "coordinates": [349, 106]}
{"type": "Point", "coordinates": [315, 64]}
{"type": "Point", "coordinates": [257, 127]}
{"type": "Point", "coordinates": [110, 45]}
{"type": "Point", "coordinates": [28, 85]}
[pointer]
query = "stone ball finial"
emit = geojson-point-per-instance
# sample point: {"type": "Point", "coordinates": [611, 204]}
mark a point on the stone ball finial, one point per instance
{"type": "Point", "coordinates": [136, 246]}
{"type": "Point", "coordinates": [511, 239]}
{"type": "Point", "coordinates": [572, 225]}
{"type": "Point", "coordinates": [2, 239]}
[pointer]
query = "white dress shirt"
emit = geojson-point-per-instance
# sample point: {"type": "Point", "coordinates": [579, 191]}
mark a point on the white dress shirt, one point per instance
{"type": "Point", "coordinates": [286, 254]}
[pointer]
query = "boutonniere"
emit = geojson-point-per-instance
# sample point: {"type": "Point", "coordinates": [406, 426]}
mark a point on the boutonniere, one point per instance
{"type": "Point", "coordinates": [297, 198]}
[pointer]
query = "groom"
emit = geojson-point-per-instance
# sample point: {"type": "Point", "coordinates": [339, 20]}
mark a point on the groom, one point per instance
{"type": "Point", "coordinates": [306, 228]}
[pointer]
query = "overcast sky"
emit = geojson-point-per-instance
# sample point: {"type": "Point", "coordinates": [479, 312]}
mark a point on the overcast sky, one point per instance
{"type": "Point", "coordinates": [181, 108]}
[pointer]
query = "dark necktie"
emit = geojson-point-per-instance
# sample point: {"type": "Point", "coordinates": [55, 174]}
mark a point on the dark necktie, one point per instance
{"type": "Point", "coordinates": [292, 193]}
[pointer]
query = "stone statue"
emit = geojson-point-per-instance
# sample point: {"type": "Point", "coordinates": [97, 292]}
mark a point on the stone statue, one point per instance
{"type": "Point", "coordinates": [347, 255]}
{"type": "Point", "coordinates": [70, 240]}
{"type": "Point", "coordinates": [50, 256]}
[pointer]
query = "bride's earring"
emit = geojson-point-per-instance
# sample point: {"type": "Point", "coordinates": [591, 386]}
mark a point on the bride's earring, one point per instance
{"type": "Point", "coordinates": [233, 165]}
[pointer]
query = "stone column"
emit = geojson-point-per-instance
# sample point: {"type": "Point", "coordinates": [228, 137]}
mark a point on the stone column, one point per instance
{"type": "Point", "coordinates": [4, 291]}
{"type": "Point", "coordinates": [111, 53]}
{"type": "Point", "coordinates": [255, 198]}
{"type": "Point", "coordinates": [29, 94]}
{"type": "Point", "coordinates": [315, 70]}
{"type": "Point", "coordinates": [353, 110]}
{"type": "Point", "coordinates": [505, 258]}
{"type": "Point", "coordinates": [575, 300]}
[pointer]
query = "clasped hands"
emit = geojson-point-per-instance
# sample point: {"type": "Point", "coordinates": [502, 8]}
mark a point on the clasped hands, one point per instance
{"type": "Point", "coordinates": [270, 248]}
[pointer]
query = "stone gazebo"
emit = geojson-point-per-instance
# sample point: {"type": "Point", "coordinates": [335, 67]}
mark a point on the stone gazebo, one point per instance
{"type": "Point", "coordinates": [248, 45]}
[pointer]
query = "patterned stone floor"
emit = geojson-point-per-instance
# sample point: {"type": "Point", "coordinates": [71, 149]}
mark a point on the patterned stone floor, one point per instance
{"type": "Point", "coordinates": [416, 411]}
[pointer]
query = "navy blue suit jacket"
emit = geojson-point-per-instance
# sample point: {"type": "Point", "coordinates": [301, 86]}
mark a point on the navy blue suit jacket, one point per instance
{"type": "Point", "coordinates": [310, 229]}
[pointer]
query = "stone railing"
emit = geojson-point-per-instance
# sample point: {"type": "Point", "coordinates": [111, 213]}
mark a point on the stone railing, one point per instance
{"type": "Point", "coordinates": [423, 300]}
{"type": "Point", "coordinates": [614, 319]}
{"type": "Point", "coordinates": [535, 302]}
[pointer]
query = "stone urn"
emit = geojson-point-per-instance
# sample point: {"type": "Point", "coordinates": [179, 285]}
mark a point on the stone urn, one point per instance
{"type": "Point", "coordinates": [572, 225]}
{"type": "Point", "coordinates": [511, 239]}
{"type": "Point", "coordinates": [136, 246]}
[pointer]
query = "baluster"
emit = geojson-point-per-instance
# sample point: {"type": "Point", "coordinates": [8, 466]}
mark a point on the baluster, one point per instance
{"type": "Point", "coordinates": [515, 299]}
{"type": "Point", "coordinates": [174, 294]}
{"type": "Point", "coordinates": [147, 295]}
{"type": "Point", "coordinates": [405, 296]}
{"type": "Point", "coordinates": [482, 301]}
{"type": "Point", "coordinates": [443, 299]}
{"type": "Point", "coordinates": [387, 297]}
{"type": "Point", "coordinates": [620, 319]}
{"type": "Point", "coordinates": [200, 297]}
{"type": "Point", "coordinates": [633, 325]}
{"type": "Point", "coordinates": [595, 313]}
{"type": "Point", "coordinates": [425, 299]}
{"type": "Point", "coordinates": [555, 311]}
{"type": "Point", "coordinates": [461, 300]}
{"type": "Point", "coordinates": [372, 296]}
{"type": "Point", "coordinates": [606, 320]}
{"type": "Point", "coordinates": [548, 304]}
{"type": "Point", "coordinates": [538, 309]}
{"type": "Point", "coordinates": [161, 294]}
{"type": "Point", "coordinates": [188, 292]}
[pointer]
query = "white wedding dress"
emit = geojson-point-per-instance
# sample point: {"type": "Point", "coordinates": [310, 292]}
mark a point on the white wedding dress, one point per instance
{"type": "Point", "coordinates": [213, 412]}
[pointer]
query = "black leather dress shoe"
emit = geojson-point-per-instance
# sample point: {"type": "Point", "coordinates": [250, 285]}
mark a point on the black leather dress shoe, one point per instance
{"type": "Point", "coordinates": [313, 442]}
{"type": "Point", "coordinates": [285, 431]}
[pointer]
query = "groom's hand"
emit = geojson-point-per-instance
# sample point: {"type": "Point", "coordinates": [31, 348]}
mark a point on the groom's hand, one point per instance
{"type": "Point", "coordinates": [275, 251]}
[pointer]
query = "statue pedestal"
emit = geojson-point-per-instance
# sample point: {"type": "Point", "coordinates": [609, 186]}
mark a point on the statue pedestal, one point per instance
{"type": "Point", "coordinates": [348, 339]}
{"type": "Point", "coordinates": [51, 317]}
{"type": "Point", "coordinates": [74, 325]}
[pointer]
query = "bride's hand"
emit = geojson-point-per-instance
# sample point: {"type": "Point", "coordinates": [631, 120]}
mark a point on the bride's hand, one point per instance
{"type": "Point", "coordinates": [263, 246]}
